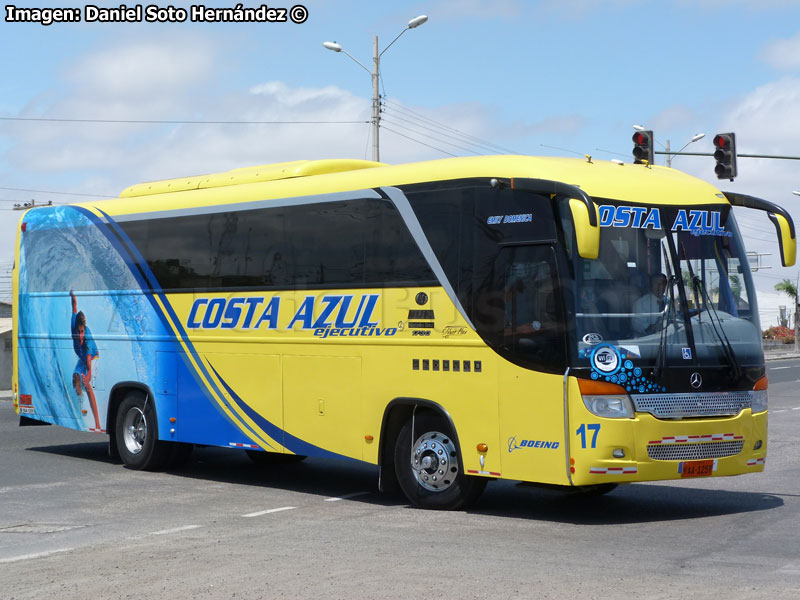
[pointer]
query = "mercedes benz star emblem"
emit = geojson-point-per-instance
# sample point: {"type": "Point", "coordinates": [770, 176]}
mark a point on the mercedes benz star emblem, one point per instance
{"type": "Point", "coordinates": [696, 380]}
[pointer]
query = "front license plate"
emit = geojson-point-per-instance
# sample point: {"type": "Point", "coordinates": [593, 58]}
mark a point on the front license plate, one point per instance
{"type": "Point", "coordinates": [697, 468]}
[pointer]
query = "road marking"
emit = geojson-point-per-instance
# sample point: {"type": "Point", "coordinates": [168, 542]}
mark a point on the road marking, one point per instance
{"type": "Point", "coordinates": [346, 496]}
{"type": "Point", "coordinates": [33, 556]}
{"type": "Point", "coordinates": [174, 530]}
{"type": "Point", "coordinates": [775, 412]}
{"type": "Point", "coordinates": [266, 512]}
{"type": "Point", "coordinates": [779, 368]}
{"type": "Point", "coordinates": [31, 487]}
{"type": "Point", "coordinates": [790, 569]}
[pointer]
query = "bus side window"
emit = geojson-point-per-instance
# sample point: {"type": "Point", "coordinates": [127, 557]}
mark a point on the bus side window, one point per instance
{"type": "Point", "coordinates": [533, 328]}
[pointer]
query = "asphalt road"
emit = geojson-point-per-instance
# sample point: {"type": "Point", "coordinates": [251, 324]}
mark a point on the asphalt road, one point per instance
{"type": "Point", "coordinates": [74, 524]}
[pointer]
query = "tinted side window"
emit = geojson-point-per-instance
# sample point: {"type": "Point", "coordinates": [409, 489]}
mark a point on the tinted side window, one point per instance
{"type": "Point", "coordinates": [522, 288]}
{"type": "Point", "coordinates": [353, 243]}
{"type": "Point", "coordinates": [483, 237]}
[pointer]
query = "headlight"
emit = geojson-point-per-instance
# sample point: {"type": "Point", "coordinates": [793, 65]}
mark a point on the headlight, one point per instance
{"type": "Point", "coordinates": [614, 407]}
{"type": "Point", "coordinates": [759, 401]}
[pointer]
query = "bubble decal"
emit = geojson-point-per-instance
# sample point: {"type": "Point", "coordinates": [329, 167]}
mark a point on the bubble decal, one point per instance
{"type": "Point", "coordinates": [611, 364]}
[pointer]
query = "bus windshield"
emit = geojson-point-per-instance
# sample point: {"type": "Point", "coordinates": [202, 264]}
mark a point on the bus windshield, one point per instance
{"type": "Point", "coordinates": [671, 286]}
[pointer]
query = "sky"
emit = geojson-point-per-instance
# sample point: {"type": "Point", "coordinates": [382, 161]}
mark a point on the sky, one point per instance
{"type": "Point", "coordinates": [548, 77]}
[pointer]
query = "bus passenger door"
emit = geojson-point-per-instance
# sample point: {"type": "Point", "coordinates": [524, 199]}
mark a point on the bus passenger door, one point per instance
{"type": "Point", "coordinates": [532, 341]}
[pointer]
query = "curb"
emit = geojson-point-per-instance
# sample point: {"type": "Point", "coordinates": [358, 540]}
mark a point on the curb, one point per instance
{"type": "Point", "coordinates": [785, 356]}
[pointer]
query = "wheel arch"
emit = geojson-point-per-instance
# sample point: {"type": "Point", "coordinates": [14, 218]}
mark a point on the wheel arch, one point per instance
{"type": "Point", "coordinates": [394, 416]}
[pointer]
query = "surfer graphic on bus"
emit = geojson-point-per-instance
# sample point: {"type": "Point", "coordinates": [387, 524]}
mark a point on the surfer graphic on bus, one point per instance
{"type": "Point", "coordinates": [86, 349]}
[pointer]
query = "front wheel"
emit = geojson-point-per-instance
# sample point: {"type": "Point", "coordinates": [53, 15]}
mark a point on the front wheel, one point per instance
{"type": "Point", "coordinates": [428, 467]}
{"type": "Point", "coordinates": [137, 434]}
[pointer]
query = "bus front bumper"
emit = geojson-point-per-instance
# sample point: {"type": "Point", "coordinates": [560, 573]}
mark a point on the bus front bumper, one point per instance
{"type": "Point", "coordinates": [649, 449]}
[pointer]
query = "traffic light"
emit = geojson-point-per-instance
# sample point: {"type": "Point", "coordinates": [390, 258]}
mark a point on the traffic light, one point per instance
{"type": "Point", "coordinates": [643, 147]}
{"type": "Point", "coordinates": [725, 155]}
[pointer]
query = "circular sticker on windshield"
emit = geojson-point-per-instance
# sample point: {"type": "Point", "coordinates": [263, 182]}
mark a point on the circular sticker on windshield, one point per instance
{"type": "Point", "coordinates": [606, 359]}
{"type": "Point", "coordinates": [592, 339]}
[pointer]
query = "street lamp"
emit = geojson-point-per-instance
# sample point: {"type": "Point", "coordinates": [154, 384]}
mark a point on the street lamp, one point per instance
{"type": "Point", "coordinates": [695, 137]}
{"type": "Point", "coordinates": [376, 74]}
{"type": "Point", "coordinates": [796, 193]}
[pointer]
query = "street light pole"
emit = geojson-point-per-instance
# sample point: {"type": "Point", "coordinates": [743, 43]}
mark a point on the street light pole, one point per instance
{"type": "Point", "coordinates": [375, 74]}
{"type": "Point", "coordinates": [376, 102]}
{"type": "Point", "coordinates": [667, 151]}
{"type": "Point", "coordinates": [695, 137]}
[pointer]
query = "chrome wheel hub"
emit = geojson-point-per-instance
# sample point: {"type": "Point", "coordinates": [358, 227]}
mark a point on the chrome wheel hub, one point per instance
{"type": "Point", "coordinates": [134, 430]}
{"type": "Point", "coordinates": [434, 461]}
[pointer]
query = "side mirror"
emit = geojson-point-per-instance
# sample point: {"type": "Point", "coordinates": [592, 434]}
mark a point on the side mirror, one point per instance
{"type": "Point", "coordinates": [587, 236]}
{"type": "Point", "coordinates": [782, 220]}
{"type": "Point", "coordinates": [585, 214]}
{"type": "Point", "coordinates": [786, 238]}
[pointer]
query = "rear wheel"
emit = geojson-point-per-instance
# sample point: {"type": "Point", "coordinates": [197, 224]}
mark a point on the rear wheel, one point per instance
{"type": "Point", "coordinates": [137, 434]}
{"type": "Point", "coordinates": [428, 467]}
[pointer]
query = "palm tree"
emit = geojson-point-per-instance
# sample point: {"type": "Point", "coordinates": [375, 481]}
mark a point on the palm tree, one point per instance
{"type": "Point", "coordinates": [790, 289]}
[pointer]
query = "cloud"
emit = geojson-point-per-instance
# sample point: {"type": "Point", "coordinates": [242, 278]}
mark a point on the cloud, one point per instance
{"type": "Point", "coordinates": [767, 120]}
{"type": "Point", "coordinates": [168, 79]}
{"type": "Point", "coordinates": [783, 55]}
{"type": "Point", "coordinates": [673, 117]}
{"type": "Point", "coordinates": [558, 124]}
{"type": "Point", "coordinates": [142, 70]}
{"type": "Point", "coordinates": [216, 147]}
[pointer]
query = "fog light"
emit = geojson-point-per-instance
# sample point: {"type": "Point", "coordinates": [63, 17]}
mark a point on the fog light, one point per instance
{"type": "Point", "coordinates": [758, 445]}
{"type": "Point", "coordinates": [618, 453]}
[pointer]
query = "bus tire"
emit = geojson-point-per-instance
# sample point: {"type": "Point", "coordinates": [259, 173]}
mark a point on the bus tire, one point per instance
{"type": "Point", "coordinates": [428, 468]}
{"type": "Point", "coordinates": [137, 434]}
{"type": "Point", "coordinates": [273, 458]}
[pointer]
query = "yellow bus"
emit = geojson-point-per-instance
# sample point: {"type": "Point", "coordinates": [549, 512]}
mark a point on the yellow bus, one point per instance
{"type": "Point", "coordinates": [558, 321]}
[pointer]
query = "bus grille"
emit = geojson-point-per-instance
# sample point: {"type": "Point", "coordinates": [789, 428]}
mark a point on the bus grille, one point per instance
{"type": "Point", "coordinates": [694, 451]}
{"type": "Point", "coordinates": [675, 406]}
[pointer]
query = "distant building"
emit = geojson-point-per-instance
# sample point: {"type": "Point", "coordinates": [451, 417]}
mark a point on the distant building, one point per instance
{"type": "Point", "coordinates": [5, 352]}
{"type": "Point", "coordinates": [5, 310]}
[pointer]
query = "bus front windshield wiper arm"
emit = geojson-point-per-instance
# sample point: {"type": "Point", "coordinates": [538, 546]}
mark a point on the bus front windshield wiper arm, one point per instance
{"type": "Point", "coordinates": [661, 357]}
{"type": "Point", "coordinates": [727, 347]}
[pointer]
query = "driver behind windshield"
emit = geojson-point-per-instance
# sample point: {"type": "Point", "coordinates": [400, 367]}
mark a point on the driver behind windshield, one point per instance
{"type": "Point", "coordinates": [648, 308]}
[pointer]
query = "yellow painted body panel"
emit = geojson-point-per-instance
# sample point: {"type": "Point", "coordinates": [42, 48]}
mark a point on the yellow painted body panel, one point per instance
{"type": "Point", "coordinates": [287, 170]}
{"type": "Point", "coordinates": [264, 391]}
{"type": "Point", "coordinates": [788, 243]}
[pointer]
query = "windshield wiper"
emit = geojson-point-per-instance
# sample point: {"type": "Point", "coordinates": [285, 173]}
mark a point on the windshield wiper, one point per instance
{"type": "Point", "coordinates": [661, 356]}
{"type": "Point", "coordinates": [697, 284]}
{"type": "Point", "coordinates": [727, 347]}
{"type": "Point", "coordinates": [694, 283]}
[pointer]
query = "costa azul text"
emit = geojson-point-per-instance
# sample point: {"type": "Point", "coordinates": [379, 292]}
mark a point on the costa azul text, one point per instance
{"type": "Point", "coordinates": [331, 315]}
{"type": "Point", "coordinates": [696, 222]}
